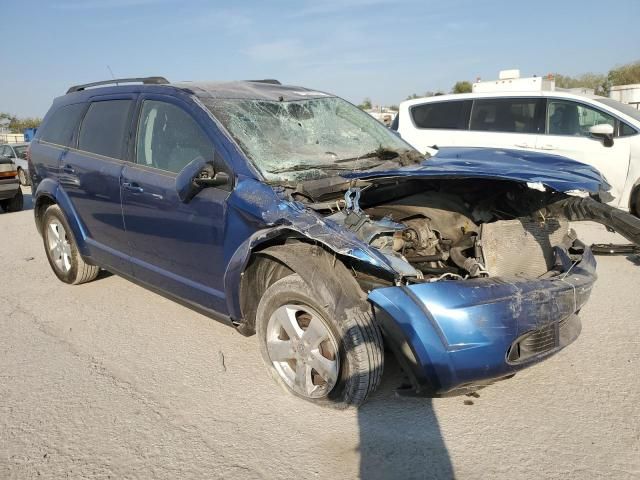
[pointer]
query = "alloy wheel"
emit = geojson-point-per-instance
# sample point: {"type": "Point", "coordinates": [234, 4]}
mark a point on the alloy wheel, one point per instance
{"type": "Point", "coordinates": [59, 246]}
{"type": "Point", "coordinates": [303, 350]}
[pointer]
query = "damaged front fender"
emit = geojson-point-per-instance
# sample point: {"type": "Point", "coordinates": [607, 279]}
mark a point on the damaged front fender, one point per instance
{"type": "Point", "coordinates": [257, 214]}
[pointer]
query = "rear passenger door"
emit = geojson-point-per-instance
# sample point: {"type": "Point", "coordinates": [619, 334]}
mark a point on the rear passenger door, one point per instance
{"type": "Point", "coordinates": [174, 246]}
{"type": "Point", "coordinates": [513, 122]}
{"type": "Point", "coordinates": [90, 177]}
{"type": "Point", "coordinates": [54, 137]}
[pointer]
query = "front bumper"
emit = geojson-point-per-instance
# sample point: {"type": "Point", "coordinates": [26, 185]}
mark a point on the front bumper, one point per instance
{"type": "Point", "coordinates": [457, 335]}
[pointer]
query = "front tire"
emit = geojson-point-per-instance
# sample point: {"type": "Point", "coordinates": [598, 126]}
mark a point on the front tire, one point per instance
{"type": "Point", "coordinates": [62, 251]}
{"type": "Point", "coordinates": [315, 349]}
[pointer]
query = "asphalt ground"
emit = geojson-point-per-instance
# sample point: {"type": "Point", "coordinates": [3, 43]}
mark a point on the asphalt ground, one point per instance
{"type": "Point", "coordinates": [109, 380]}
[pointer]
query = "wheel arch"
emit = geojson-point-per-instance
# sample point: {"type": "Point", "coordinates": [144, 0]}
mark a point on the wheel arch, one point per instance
{"type": "Point", "coordinates": [41, 204]}
{"type": "Point", "coordinates": [286, 253]}
{"type": "Point", "coordinates": [48, 193]}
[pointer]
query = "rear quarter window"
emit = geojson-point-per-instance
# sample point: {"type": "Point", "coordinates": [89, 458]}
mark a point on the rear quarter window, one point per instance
{"type": "Point", "coordinates": [62, 124]}
{"type": "Point", "coordinates": [453, 115]}
{"type": "Point", "coordinates": [104, 128]}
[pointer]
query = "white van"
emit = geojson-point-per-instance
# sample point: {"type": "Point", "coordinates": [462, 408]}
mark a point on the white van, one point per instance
{"type": "Point", "coordinates": [594, 130]}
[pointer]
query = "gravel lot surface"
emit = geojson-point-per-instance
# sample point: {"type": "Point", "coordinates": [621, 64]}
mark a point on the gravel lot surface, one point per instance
{"type": "Point", "coordinates": [108, 380]}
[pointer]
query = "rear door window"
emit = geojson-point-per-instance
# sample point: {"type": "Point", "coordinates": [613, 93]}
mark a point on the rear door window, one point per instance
{"type": "Point", "coordinates": [62, 124]}
{"type": "Point", "coordinates": [511, 115]}
{"type": "Point", "coordinates": [453, 115]}
{"type": "Point", "coordinates": [105, 127]}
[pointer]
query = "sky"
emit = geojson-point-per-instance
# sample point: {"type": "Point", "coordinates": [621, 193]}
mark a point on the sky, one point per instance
{"type": "Point", "coordinates": [381, 49]}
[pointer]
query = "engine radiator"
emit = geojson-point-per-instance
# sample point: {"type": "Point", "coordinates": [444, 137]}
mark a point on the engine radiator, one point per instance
{"type": "Point", "coordinates": [521, 247]}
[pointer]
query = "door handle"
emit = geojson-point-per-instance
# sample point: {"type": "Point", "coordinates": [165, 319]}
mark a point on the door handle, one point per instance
{"type": "Point", "coordinates": [133, 187]}
{"type": "Point", "coordinates": [522, 145]}
{"type": "Point", "coordinates": [548, 146]}
{"type": "Point", "coordinates": [69, 169]}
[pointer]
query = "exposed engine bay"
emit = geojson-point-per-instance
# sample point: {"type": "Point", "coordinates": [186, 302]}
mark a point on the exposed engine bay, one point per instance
{"type": "Point", "coordinates": [433, 230]}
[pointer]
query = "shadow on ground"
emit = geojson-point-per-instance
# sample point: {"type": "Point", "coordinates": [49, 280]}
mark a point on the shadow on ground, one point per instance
{"type": "Point", "coordinates": [635, 259]}
{"type": "Point", "coordinates": [28, 200]}
{"type": "Point", "coordinates": [400, 436]}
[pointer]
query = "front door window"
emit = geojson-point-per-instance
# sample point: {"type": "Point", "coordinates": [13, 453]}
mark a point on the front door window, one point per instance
{"type": "Point", "coordinates": [574, 119]}
{"type": "Point", "coordinates": [169, 138]}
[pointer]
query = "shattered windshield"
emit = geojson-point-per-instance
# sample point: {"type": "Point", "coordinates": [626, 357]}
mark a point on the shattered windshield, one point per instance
{"type": "Point", "coordinates": [303, 139]}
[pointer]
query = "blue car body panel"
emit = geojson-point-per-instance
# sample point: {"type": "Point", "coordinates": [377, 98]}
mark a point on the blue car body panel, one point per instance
{"type": "Point", "coordinates": [556, 172]}
{"type": "Point", "coordinates": [450, 334]}
{"type": "Point", "coordinates": [460, 331]}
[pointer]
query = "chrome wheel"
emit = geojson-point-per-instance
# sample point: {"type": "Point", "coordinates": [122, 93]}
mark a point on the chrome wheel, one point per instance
{"type": "Point", "coordinates": [59, 247]}
{"type": "Point", "coordinates": [303, 350]}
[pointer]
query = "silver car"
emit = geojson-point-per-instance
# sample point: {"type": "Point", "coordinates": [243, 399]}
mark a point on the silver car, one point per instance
{"type": "Point", "coordinates": [11, 199]}
{"type": "Point", "coordinates": [17, 152]}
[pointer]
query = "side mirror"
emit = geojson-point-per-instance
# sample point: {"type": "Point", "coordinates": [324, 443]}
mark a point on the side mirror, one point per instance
{"type": "Point", "coordinates": [196, 176]}
{"type": "Point", "coordinates": [603, 131]}
{"type": "Point", "coordinates": [218, 180]}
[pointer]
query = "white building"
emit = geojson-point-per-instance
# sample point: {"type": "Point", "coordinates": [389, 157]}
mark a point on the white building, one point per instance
{"type": "Point", "coordinates": [629, 94]}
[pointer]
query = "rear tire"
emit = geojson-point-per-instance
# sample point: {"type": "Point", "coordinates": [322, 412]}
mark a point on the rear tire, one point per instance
{"type": "Point", "coordinates": [636, 203]}
{"type": "Point", "coordinates": [14, 204]}
{"type": "Point", "coordinates": [346, 347]}
{"type": "Point", "coordinates": [62, 251]}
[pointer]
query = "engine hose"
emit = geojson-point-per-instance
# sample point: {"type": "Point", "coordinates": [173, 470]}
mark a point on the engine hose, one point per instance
{"type": "Point", "coordinates": [438, 270]}
{"type": "Point", "coordinates": [468, 264]}
{"type": "Point", "coordinates": [578, 209]}
{"type": "Point", "coordinates": [427, 258]}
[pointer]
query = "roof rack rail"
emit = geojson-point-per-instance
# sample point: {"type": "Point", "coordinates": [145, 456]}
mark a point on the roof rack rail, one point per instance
{"type": "Point", "coordinates": [272, 81]}
{"type": "Point", "coordinates": [144, 80]}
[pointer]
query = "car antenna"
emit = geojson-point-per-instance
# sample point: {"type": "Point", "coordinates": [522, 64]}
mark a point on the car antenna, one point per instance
{"type": "Point", "coordinates": [112, 75]}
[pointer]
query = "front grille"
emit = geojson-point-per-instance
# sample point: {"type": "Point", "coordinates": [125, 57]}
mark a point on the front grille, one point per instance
{"type": "Point", "coordinates": [544, 339]}
{"type": "Point", "coordinates": [521, 247]}
{"type": "Point", "coordinates": [539, 341]}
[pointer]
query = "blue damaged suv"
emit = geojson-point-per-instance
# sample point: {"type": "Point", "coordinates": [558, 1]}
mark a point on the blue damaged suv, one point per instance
{"type": "Point", "coordinates": [291, 214]}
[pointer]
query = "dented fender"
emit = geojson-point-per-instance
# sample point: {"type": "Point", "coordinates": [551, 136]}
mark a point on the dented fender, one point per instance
{"type": "Point", "coordinates": [257, 214]}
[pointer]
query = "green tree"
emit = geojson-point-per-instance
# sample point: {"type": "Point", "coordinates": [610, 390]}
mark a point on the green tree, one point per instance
{"type": "Point", "coordinates": [462, 87]}
{"type": "Point", "coordinates": [625, 75]}
{"type": "Point", "coordinates": [16, 124]}
{"type": "Point", "coordinates": [596, 81]}
{"type": "Point", "coordinates": [366, 104]}
{"type": "Point", "coordinates": [428, 93]}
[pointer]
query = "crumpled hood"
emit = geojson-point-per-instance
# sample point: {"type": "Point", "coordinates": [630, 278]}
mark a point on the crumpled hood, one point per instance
{"type": "Point", "coordinates": [558, 173]}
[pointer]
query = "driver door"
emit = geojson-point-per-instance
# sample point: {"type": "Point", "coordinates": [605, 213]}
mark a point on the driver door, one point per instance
{"type": "Point", "coordinates": [175, 247]}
